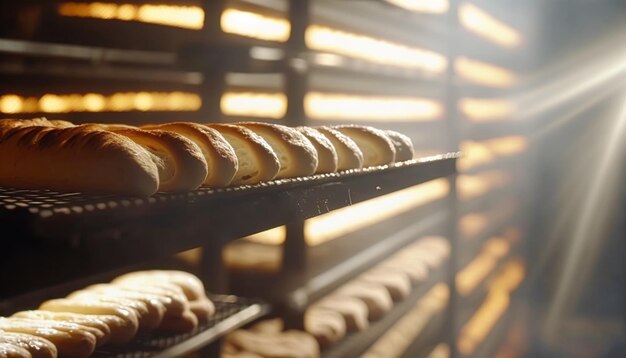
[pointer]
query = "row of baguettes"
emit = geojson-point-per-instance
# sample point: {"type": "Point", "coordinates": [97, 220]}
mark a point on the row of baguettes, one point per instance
{"type": "Point", "coordinates": [367, 298]}
{"type": "Point", "coordinates": [182, 156]}
{"type": "Point", "coordinates": [143, 301]}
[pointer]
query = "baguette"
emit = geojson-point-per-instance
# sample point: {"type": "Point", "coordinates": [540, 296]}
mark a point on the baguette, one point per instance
{"type": "Point", "coordinates": [218, 153]}
{"type": "Point", "coordinates": [9, 350]}
{"type": "Point", "coordinates": [93, 308]}
{"type": "Point", "coordinates": [36, 346]}
{"type": "Point", "coordinates": [149, 316]}
{"type": "Point", "coordinates": [93, 323]}
{"type": "Point", "coordinates": [349, 156]}
{"type": "Point", "coordinates": [72, 344]}
{"type": "Point", "coordinates": [398, 284]}
{"type": "Point", "coordinates": [375, 296]}
{"type": "Point", "coordinates": [101, 337]}
{"type": "Point", "coordinates": [296, 154]}
{"type": "Point", "coordinates": [181, 164]}
{"type": "Point", "coordinates": [328, 327]}
{"type": "Point", "coordinates": [191, 285]}
{"type": "Point", "coordinates": [171, 296]}
{"type": "Point", "coordinates": [353, 311]}
{"type": "Point", "coordinates": [402, 144]}
{"type": "Point", "coordinates": [120, 330]}
{"type": "Point", "coordinates": [375, 145]}
{"type": "Point", "coordinates": [257, 161]}
{"type": "Point", "coordinates": [75, 159]}
{"type": "Point", "coordinates": [326, 153]}
{"type": "Point", "coordinates": [186, 322]}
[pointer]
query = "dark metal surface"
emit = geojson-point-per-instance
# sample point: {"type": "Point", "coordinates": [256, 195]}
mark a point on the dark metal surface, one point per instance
{"type": "Point", "coordinates": [44, 230]}
{"type": "Point", "coordinates": [231, 313]}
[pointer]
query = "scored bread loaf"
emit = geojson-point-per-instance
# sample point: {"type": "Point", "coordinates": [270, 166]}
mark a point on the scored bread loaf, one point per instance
{"type": "Point", "coordinates": [375, 296]}
{"type": "Point", "coordinates": [104, 331]}
{"type": "Point", "coordinates": [328, 327]}
{"type": "Point", "coordinates": [120, 331]}
{"type": "Point", "coordinates": [172, 297]}
{"type": "Point", "coordinates": [398, 284]}
{"type": "Point", "coordinates": [180, 161]}
{"type": "Point", "coordinates": [375, 145]}
{"type": "Point", "coordinates": [148, 314]}
{"type": "Point", "coordinates": [326, 153]}
{"type": "Point", "coordinates": [75, 159]}
{"type": "Point", "coordinates": [403, 145]}
{"type": "Point", "coordinates": [353, 311]}
{"type": "Point", "coordinates": [93, 308]}
{"type": "Point", "coordinates": [349, 156]}
{"type": "Point", "coordinates": [36, 346]}
{"type": "Point", "coordinates": [257, 161]}
{"type": "Point", "coordinates": [6, 124]}
{"type": "Point", "coordinates": [9, 350]}
{"type": "Point", "coordinates": [72, 344]}
{"type": "Point", "coordinates": [101, 336]}
{"type": "Point", "coordinates": [296, 154]}
{"type": "Point", "coordinates": [218, 153]}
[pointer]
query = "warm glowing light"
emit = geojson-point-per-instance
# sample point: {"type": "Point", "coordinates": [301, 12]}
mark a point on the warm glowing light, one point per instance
{"type": "Point", "coordinates": [345, 220]}
{"type": "Point", "coordinates": [96, 102]}
{"type": "Point", "coordinates": [505, 146]}
{"type": "Point", "coordinates": [339, 222]}
{"type": "Point", "coordinates": [472, 224]}
{"type": "Point", "coordinates": [11, 104]}
{"type": "Point", "coordinates": [480, 153]}
{"type": "Point", "coordinates": [471, 186]}
{"type": "Point", "coordinates": [399, 337]}
{"type": "Point", "coordinates": [370, 108]}
{"type": "Point", "coordinates": [245, 255]}
{"type": "Point", "coordinates": [481, 23]}
{"type": "Point", "coordinates": [423, 6]}
{"type": "Point", "coordinates": [255, 25]}
{"type": "Point", "coordinates": [251, 104]}
{"type": "Point", "coordinates": [189, 17]}
{"type": "Point", "coordinates": [484, 110]}
{"type": "Point", "coordinates": [326, 39]}
{"type": "Point", "coordinates": [482, 322]}
{"type": "Point", "coordinates": [468, 279]}
{"type": "Point", "coordinates": [484, 73]}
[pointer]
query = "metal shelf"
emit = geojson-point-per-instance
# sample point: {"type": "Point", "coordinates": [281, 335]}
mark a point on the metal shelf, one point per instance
{"type": "Point", "coordinates": [231, 313]}
{"type": "Point", "coordinates": [357, 343]}
{"type": "Point", "coordinates": [44, 229]}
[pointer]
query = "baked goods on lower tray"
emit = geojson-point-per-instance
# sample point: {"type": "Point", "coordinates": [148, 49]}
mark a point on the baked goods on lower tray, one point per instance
{"type": "Point", "coordinates": [98, 315]}
{"type": "Point", "coordinates": [180, 156]}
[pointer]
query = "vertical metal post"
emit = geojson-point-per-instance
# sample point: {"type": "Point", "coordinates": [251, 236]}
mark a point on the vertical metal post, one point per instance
{"type": "Point", "coordinates": [213, 85]}
{"type": "Point", "coordinates": [296, 71]}
{"type": "Point", "coordinates": [453, 127]}
{"type": "Point", "coordinates": [296, 65]}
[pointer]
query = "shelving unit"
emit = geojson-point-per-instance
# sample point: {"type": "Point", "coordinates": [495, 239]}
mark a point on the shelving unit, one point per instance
{"type": "Point", "coordinates": [45, 230]}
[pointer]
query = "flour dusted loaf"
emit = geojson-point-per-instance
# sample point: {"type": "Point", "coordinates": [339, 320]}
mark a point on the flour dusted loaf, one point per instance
{"type": "Point", "coordinates": [402, 144]}
{"type": "Point", "coordinates": [375, 145]}
{"type": "Point", "coordinates": [220, 156]}
{"type": "Point", "coordinates": [75, 159]}
{"type": "Point", "coordinates": [256, 158]}
{"type": "Point", "coordinates": [36, 346]}
{"type": "Point", "coordinates": [349, 156]}
{"type": "Point", "coordinates": [327, 159]}
{"type": "Point", "coordinates": [296, 154]}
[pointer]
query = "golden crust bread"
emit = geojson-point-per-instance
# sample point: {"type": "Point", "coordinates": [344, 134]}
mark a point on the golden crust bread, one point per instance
{"type": "Point", "coordinates": [9, 350]}
{"type": "Point", "coordinates": [398, 284]}
{"type": "Point", "coordinates": [181, 164]}
{"type": "Point", "coordinates": [349, 156]}
{"type": "Point", "coordinates": [375, 296]}
{"type": "Point", "coordinates": [218, 153]}
{"type": "Point", "coordinates": [75, 159]}
{"type": "Point", "coordinates": [328, 327]}
{"type": "Point", "coordinates": [257, 160]}
{"type": "Point", "coordinates": [353, 311]}
{"type": "Point", "coordinates": [296, 154]}
{"type": "Point", "coordinates": [36, 346]}
{"type": "Point", "coordinates": [91, 307]}
{"type": "Point", "coordinates": [75, 343]}
{"type": "Point", "coordinates": [326, 153]}
{"type": "Point", "coordinates": [375, 145]}
{"type": "Point", "coordinates": [403, 145]}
